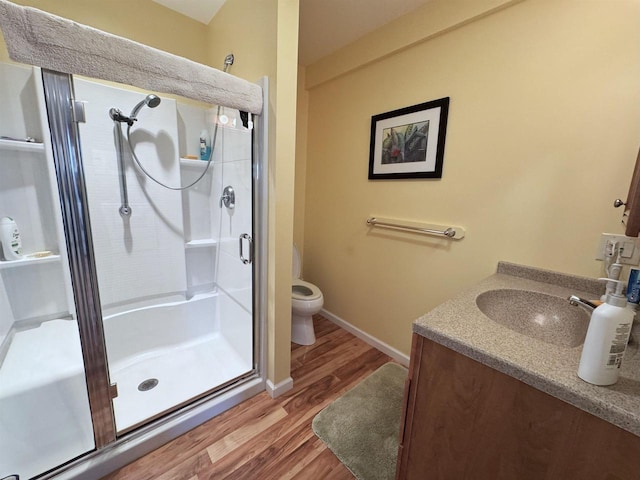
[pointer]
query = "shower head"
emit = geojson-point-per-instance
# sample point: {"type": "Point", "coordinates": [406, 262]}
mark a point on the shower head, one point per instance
{"type": "Point", "coordinates": [151, 101]}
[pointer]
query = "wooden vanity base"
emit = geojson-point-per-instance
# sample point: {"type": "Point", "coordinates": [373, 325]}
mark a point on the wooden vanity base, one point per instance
{"type": "Point", "coordinates": [464, 420]}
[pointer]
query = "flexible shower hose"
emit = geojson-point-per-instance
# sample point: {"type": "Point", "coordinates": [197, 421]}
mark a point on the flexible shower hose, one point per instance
{"type": "Point", "coordinates": [135, 158]}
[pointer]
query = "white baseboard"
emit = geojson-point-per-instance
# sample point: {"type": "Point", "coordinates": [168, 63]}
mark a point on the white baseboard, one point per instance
{"type": "Point", "coordinates": [397, 355]}
{"type": "Point", "coordinates": [280, 388]}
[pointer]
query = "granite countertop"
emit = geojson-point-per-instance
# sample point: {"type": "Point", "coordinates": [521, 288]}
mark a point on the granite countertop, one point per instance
{"type": "Point", "coordinates": [459, 325]}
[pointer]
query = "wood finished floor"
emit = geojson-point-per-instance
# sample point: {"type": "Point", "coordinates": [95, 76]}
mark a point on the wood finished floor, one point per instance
{"type": "Point", "coordinates": [265, 438]}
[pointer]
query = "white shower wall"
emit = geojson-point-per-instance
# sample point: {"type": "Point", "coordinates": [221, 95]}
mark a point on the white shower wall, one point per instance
{"type": "Point", "coordinates": [175, 242]}
{"type": "Point", "coordinates": [204, 217]}
{"type": "Point", "coordinates": [29, 292]}
{"type": "Point", "coordinates": [140, 258]}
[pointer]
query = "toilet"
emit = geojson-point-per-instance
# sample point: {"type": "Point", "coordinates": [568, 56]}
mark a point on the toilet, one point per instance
{"type": "Point", "coordinates": [306, 300]}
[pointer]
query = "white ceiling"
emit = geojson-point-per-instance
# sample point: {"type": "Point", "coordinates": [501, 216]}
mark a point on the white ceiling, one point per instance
{"type": "Point", "coordinates": [325, 25]}
{"type": "Point", "coordinates": [200, 10]}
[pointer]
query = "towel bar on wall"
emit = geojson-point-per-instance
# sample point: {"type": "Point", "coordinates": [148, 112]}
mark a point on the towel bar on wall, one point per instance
{"type": "Point", "coordinates": [454, 233]}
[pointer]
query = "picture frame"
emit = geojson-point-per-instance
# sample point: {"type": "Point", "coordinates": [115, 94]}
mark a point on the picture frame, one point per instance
{"type": "Point", "coordinates": [409, 142]}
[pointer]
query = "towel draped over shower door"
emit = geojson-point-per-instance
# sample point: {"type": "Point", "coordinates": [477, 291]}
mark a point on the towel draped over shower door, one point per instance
{"type": "Point", "coordinates": [38, 38]}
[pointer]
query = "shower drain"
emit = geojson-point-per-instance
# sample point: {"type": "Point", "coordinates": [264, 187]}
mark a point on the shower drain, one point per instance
{"type": "Point", "coordinates": [148, 384]}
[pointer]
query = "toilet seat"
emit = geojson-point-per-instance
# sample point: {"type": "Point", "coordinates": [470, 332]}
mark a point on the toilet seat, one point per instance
{"type": "Point", "coordinates": [301, 290]}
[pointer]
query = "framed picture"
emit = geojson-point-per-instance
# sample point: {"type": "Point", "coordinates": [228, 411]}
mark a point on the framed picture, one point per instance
{"type": "Point", "coordinates": [409, 142]}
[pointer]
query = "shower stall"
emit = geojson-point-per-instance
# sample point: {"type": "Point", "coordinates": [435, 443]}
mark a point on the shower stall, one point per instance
{"type": "Point", "coordinates": [123, 327]}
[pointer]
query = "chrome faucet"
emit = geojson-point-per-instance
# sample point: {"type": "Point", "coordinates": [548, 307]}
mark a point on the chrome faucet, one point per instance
{"type": "Point", "coordinates": [228, 198]}
{"type": "Point", "coordinates": [577, 301]}
{"type": "Point", "coordinates": [635, 326]}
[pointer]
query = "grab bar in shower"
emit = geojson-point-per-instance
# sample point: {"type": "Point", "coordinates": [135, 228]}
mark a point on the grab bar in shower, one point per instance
{"type": "Point", "coordinates": [454, 233]}
{"type": "Point", "coordinates": [125, 208]}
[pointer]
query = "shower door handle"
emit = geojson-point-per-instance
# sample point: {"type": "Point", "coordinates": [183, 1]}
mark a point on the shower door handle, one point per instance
{"type": "Point", "coordinates": [247, 237]}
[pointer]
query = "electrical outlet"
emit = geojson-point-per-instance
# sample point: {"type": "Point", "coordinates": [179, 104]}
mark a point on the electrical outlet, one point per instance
{"type": "Point", "coordinates": [630, 249]}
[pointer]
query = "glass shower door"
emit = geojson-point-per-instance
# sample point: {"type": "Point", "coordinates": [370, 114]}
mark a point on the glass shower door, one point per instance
{"type": "Point", "coordinates": [176, 295]}
{"type": "Point", "coordinates": [45, 419]}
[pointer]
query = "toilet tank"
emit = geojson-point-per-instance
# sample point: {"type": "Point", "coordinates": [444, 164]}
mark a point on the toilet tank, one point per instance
{"type": "Point", "coordinates": [296, 263]}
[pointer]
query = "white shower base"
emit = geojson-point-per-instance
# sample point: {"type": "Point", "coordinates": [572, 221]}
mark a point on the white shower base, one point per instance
{"type": "Point", "coordinates": [44, 411]}
{"type": "Point", "coordinates": [183, 345]}
{"type": "Point", "coordinates": [183, 372]}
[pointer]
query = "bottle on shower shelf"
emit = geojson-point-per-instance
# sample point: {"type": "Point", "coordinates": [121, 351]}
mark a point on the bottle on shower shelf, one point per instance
{"type": "Point", "coordinates": [205, 145]}
{"type": "Point", "coordinates": [10, 239]}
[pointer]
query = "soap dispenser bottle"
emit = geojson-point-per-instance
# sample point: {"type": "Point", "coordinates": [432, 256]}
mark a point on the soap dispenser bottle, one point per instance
{"type": "Point", "coordinates": [606, 339]}
{"type": "Point", "coordinates": [10, 239]}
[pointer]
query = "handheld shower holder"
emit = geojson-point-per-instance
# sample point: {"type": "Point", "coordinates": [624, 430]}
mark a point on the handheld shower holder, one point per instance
{"type": "Point", "coordinates": [117, 116]}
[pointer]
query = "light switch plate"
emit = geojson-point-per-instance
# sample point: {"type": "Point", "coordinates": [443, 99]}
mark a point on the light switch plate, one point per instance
{"type": "Point", "coordinates": [630, 254]}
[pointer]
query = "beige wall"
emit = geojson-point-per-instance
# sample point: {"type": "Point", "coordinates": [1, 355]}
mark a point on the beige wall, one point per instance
{"type": "Point", "coordinates": [263, 36]}
{"type": "Point", "coordinates": [281, 185]}
{"type": "Point", "coordinates": [543, 135]}
{"type": "Point", "coordinates": [246, 28]}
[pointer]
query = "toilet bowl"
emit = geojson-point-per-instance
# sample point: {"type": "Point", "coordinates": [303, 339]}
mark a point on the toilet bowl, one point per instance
{"type": "Point", "coordinates": [306, 300]}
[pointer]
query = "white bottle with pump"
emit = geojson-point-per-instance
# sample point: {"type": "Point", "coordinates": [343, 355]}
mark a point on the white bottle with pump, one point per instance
{"type": "Point", "coordinates": [10, 239]}
{"type": "Point", "coordinates": [606, 339]}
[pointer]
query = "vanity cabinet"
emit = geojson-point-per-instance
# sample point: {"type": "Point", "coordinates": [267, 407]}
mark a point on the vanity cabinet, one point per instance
{"type": "Point", "coordinates": [464, 420]}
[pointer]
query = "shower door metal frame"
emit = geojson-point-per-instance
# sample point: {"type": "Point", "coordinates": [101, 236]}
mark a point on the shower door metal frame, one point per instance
{"type": "Point", "coordinates": [63, 118]}
{"type": "Point", "coordinates": [260, 213]}
{"type": "Point", "coordinates": [111, 448]}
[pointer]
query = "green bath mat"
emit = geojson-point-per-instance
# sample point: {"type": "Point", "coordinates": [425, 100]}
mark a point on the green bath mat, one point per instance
{"type": "Point", "coordinates": [362, 426]}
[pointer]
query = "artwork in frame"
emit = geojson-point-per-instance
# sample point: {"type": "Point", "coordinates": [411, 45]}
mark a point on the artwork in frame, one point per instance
{"type": "Point", "coordinates": [409, 142]}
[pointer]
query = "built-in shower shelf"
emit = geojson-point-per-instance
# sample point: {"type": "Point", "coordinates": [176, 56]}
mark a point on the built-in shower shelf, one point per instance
{"type": "Point", "coordinates": [26, 260]}
{"type": "Point", "coordinates": [194, 163]}
{"type": "Point", "coordinates": [18, 146]}
{"type": "Point", "coordinates": [203, 243]}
